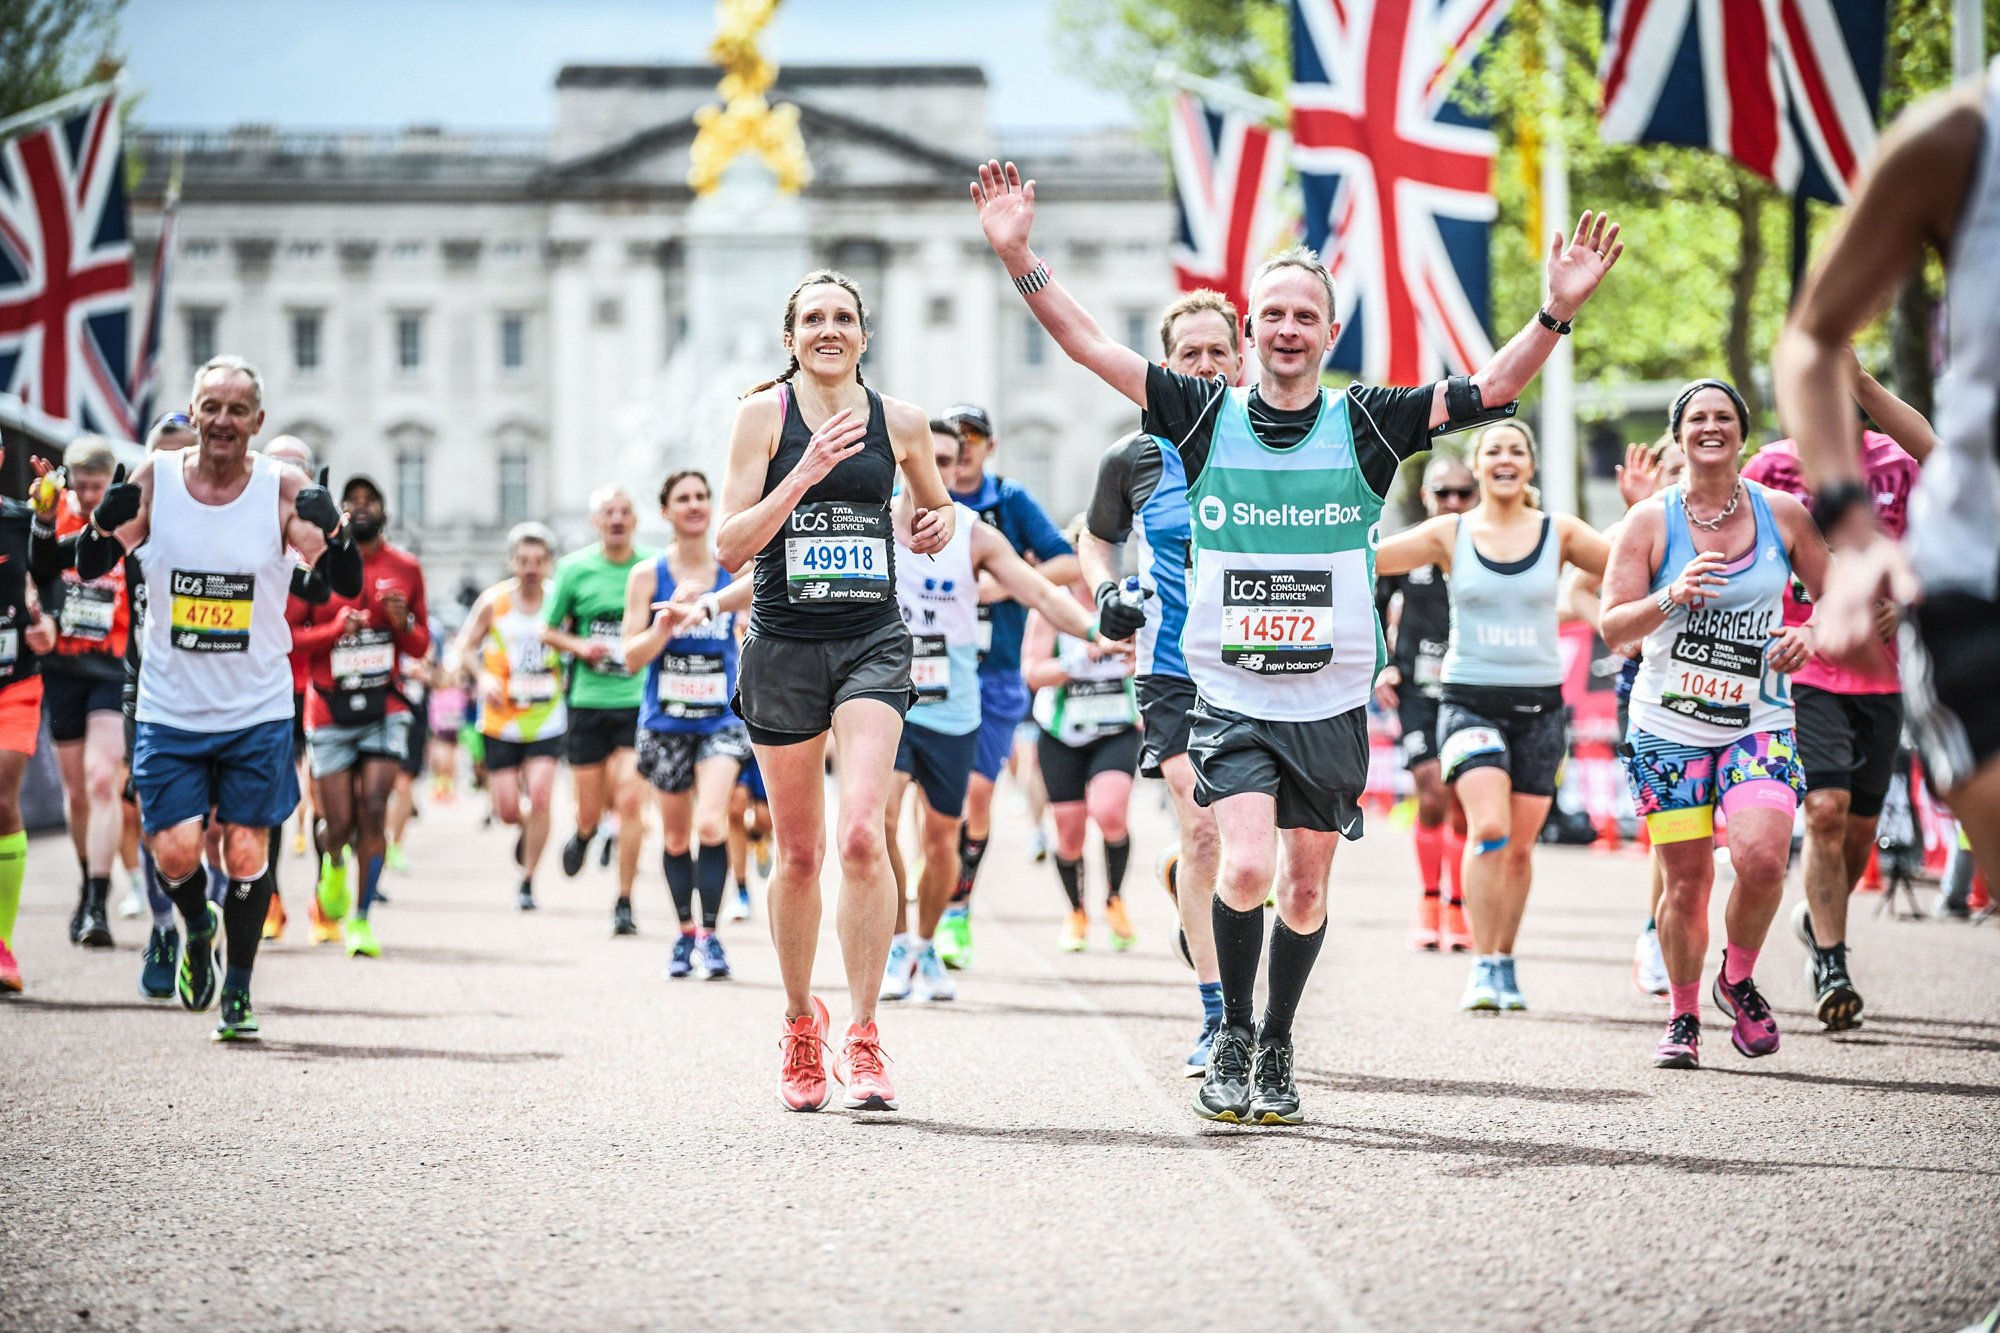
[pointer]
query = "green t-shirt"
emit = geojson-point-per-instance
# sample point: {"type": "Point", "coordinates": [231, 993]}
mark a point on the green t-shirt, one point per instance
{"type": "Point", "coordinates": [588, 600]}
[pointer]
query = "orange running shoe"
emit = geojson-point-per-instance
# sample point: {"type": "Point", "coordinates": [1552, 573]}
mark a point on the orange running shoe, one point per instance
{"type": "Point", "coordinates": [802, 1084]}
{"type": "Point", "coordinates": [867, 1080]}
{"type": "Point", "coordinates": [274, 919]}
{"type": "Point", "coordinates": [1075, 934]}
{"type": "Point", "coordinates": [1120, 921]}
{"type": "Point", "coordinates": [1425, 936]}
{"type": "Point", "coordinates": [1457, 933]}
{"type": "Point", "coordinates": [10, 971]}
{"type": "Point", "coordinates": [325, 930]}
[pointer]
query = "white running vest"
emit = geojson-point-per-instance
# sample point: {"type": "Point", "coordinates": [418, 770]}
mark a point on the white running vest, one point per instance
{"type": "Point", "coordinates": [1955, 512]}
{"type": "Point", "coordinates": [939, 600]}
{"type": "Point", "coordinates": [216, 581]}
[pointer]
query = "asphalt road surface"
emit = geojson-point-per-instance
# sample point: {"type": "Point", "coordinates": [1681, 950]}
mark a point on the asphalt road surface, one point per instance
{"type": "Point", "coordinates": [515, 1122]}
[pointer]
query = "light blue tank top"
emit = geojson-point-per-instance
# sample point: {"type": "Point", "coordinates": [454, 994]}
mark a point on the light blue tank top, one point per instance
{"type": "Point", "coordinates": [1503, 615]}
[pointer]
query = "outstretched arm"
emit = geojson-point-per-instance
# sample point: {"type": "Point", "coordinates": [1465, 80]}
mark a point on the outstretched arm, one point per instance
{"type": "Point", "coordinates": [993, 554]}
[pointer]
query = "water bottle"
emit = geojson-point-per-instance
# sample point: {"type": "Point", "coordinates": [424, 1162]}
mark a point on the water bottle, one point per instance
{"type": "Point", "coordinates": [1130, 595]}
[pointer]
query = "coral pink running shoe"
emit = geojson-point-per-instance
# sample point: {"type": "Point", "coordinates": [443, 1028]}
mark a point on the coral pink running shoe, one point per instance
{"type": "Point", "coordinates": [802, 1084]}
{"type": "Point", "coordinates": [867, 1080]}
{"type": "Point", "coordinates": [1424, 937]}
{"type": "Point", "coordinates": [1756, 1031]}
{"type": "Point", "coordinates": [1680, 1047]}
{"type": "Point", "coordinates": [10, 971]}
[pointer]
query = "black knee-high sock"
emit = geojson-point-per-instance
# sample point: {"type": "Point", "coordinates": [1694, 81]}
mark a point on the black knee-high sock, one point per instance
{"type": "Point", "coordinates": [243, 909]}
{"type": "Point", "coordinates": [1239, 944]}
{"type": "Point", "coordinates": [711, 876]}
{"type": "Point", "coordinates": [277, 840]}
{"type": "Point", "coordinates": [1071, 874]}
{"type": "Point", "coordinates": [1292, 958]}
{"type": "Point", "coordinates": [190, 895]}
{"type": "Point", "coordinates": [1117, 855]}
{"type": "Point", "coordinates": [970, 852]}
{"type": "Point", "coordinates": [680, 883]}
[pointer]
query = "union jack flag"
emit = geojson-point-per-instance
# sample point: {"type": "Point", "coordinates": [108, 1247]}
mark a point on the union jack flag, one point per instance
{"type": "Point", "coordinates": [1398, 181]}
{"type": "Point", "coordinates": [1229, 178]}
{"type": "Point", "coordinates": [1788, 88]}
{"type": "Point", "coordinates": [66, 271]}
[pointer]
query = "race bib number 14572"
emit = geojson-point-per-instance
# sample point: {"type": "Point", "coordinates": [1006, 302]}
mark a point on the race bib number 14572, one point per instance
{"type": "Point", "coordinates": [1277, 621]}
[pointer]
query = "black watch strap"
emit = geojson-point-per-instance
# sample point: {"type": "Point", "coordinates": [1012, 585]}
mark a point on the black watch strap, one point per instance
{"type": "Point", "coordinates": [1560, 326]}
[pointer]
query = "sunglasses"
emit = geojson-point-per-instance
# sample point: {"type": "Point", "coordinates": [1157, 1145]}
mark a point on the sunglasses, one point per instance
{"type": "Point", "coordinates": [1454, 492]}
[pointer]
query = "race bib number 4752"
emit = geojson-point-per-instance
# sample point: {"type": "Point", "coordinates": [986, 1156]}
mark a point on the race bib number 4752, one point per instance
{"type": "Point", "coordinates": [1277, 621]}
{"type": "Point", "coordinates": [211, 612]}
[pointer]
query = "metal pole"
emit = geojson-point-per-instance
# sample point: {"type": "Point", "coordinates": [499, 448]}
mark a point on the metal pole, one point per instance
{"type": "Point", "coordinates": [1559, 458]}
{"type": "Point", "coordinates": [1225, 95]}
{"type": "Point", "coordinates": [1968, 38]}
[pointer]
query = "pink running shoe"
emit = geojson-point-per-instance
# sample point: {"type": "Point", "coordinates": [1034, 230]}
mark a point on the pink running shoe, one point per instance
{"type": "Point", "coordinates": [802, 1084]}
{"type": "Point", "coordinates": [10, 971]}
{"type": "Point", "coordinates": [867, 1080]}
{"type": "Point", "coordinates": [1756, 1031]}
{"type": "Point", "coordinates": [1680, 1048]}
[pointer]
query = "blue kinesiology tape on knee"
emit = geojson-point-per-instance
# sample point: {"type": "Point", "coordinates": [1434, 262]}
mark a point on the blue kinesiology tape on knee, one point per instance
{"type": "Point", "coordinates": [1488, 846]}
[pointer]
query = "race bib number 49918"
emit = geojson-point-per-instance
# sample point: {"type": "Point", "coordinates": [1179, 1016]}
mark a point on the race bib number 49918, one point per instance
{"type": "Point", "coordinates": [1277, 621]}
{"type": "Point", "coordinates": [837, 552]}
{"type": "Point", "coordinates": [211, 612]}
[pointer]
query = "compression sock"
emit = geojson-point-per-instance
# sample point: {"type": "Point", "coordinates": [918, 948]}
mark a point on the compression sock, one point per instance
{"type": "Point", "coordinates": [1211, 1001]}
{"type": "Point", "coordinates": [370, 878]}
{"type": "Point", "coordinates": [156, 899]}
{"type": "Point", "coordinates": [97, 892]}
{"type": "Point", "coordinates": [1071, 874]}
{"type": "Point", "coordinates": [13, 866]}
{"type": "Point", "coordinates": [218, 884]}
{"type": "Point", "coordinates": [243, 921]}
{"type": "Point", "coordinates": [1686, 997]}
{"type": "Point", "coordinates": [680, 883]}
{"type": "Point", "coordinates": [1239, 945]}
{"type": "Point", "coordinates": [190, 895]}
{"type": "Point", "coordinates": [970, 852]}
{"type": "Point", "coordinates": [1117, 855]}
{"type": "Point", "coordinates": [1454, 864]}
{"type": "Point", "coordinates": [1292, 959]}
{"type": "Point", "coordinates": [711, 876]}
{"type": "Point", "coordinates": [1430, 857]}
{"type": "Point", "coordinates": [1737, 963]}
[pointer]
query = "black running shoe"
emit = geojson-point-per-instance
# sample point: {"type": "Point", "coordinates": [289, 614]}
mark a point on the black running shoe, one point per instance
{"type": "Point", "coordinates": [1839, 1006]}
{"type": "Point", "coordinates": [95, 931]}
{"type": "Point", "coordinates": [524, 898]}
{"type": "Point", "coordinates": [520, 849]}
{"type": "Point", "coordinates": [621, 919]}
{"type": "Point", "coordinates": [76, 917]}
{"type": "Point", "coordinates": [1224, 1093]}
{"type": "Point", "coordinates": [573, 854]}
{"type": "Point", "coordinates": [163, 954]}
{"type": "Point", "coordinates": [608, 850]}
{"type": "Point", "coordinates": [239, 1021]}
{"type": "Point", "coordinates": [1274, 1099]}
{"type": "Point", "coordinates": [196, 982]}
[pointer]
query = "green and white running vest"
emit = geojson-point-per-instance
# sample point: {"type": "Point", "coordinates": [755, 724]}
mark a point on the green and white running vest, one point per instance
{"type": "Point", "coordinates": [1281, 617]}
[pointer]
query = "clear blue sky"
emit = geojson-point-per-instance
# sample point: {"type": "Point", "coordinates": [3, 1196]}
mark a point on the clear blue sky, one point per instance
{"type": "Point", "coordinates": [492, 63]}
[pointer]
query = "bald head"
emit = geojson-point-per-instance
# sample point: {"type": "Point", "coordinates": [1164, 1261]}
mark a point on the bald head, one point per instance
{"type": "Point", "coordinates": [291, 449]}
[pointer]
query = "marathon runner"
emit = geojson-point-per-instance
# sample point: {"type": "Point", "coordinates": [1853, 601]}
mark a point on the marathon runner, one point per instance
{"type": "Point", "coordinates": [1142, 487]}
{"type": "Point", "coordinates": [1415, 609]}
{"type": "Point", "coordinates": [1003, 697]}
{"type": "Point", "coordinates": [585, 617]}
{"type": "Point", "coordinates": [27, 634]}
{"type": "Point", "coordinates": [357, 717]}
{"type": "Point", "coordinates": [1850, 720]}
{"type": "Point", "coordinates": [1281, 636]}
{"type": "Point", "coordinates": [749, 826]}
{"type": "Point", "coordinates": [1699, 574]}
{"type": "Point", "coordinates": [827, 652]}
{"type": "Point", "coordinates": [305, 593]}
{"type": "Point", "coordinates": [216, 528]}
{"type": "Point", "coordinates": [1502, 727]}
{"type": "Point", "coordinates": [522, 715]}
{"type": "Point", "coordinates": [680, 626]}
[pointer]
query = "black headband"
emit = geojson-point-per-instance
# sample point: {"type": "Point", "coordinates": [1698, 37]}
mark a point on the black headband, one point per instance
{"type": "Point", "coordinates": [1681, 402]}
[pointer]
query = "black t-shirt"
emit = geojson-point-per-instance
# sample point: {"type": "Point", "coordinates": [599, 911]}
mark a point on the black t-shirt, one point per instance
{"type": "Point", "coordinates": [1424, 626]}
{"type": "Point", "coordinates": [1126, 478]}
{"type": "Point", "coordinates": [1389, 425]}
{"type": "Point", "coordinates": [15, 520]}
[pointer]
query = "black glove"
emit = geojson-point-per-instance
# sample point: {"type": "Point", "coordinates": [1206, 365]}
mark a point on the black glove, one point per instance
{"type": "Point", "coordinates": [315, 505]}
{"type": "Point", "coordinates": [1116, 618]}
{"type": "Point", "coordinates": [120, 504]}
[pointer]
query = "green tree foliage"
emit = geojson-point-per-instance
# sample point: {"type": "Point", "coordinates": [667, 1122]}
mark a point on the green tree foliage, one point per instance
{"type": "Point", "coordinates": [51, 47]}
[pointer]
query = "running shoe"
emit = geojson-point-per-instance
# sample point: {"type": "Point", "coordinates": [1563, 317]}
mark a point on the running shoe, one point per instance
{"type": "Point", "coordinates": [1838, 1007]}
{"type": "Point", "coordinates": [156, 970]}
{"type": "Point", "coordinates": [1424, 937]}
{"type": "Point", "coordinates": [1680, 1047]}
{"type": "Point", "coordinates": [606, 850]}
{"type": "Point", "coordinates": [1120, 921]}
{"type": "Point", "coordinates": [1508, 989]}
{"type": "Point", "coordinates": [76, 917]}
{"type": "Point", "coordinates": [274, 919]}
{"type": "Point", "coordinates": [739, 905]}
{"type": "Point", "coordinates": [1187, 955]}
{"type": "Point", "coordinates": [934, 983]}
{"type": "Point", "coordinates": [1224, 1093]}
{"type": "Point", "coordinates": [521, 850]}
{"type": "Point", "coordinates": [299, 843]}
{"type": "Point", "coordinates": [1038, 845]}
{"type": "Point", "coordinates": [196, 982]}
{"type": "Point", "coordinates": [10, 972]}
{"type": "Point", "coordinates": [334, 900]}
{"type": "Point", "coordinates": [714, 963]}
{"type": "Point", "coordinates": [238, 1022]}
{"type": "Point", "coordinates": [1457, 933]}
{"type": "Point", "coordinates": [762, 847]}
{"type": "Point", "coordinates": [1168, 868]}
{"type": "Point", "coordinates": [524, 897]}
{"type": "Point", "coordinates": [1274, 1093]}
{"type": "Point", "coordinates": [899, 976]}
{"type": "Point", "coordinates": [95, 931]}
{"type": "Point", "coordinates": [1755, 1031]}
{"type": "Point", "coordinates": [325, 929]}
{"type": "Point", "coordinates": [954, 937]}
{"type": "Point", "coordinates": [1197, 1061]}
{"type": "Point", "coordinates": [392, 857]}
{"type": "Point", "coordinates": [1075, 934]}
{"type": "Point", "coordinates": [1482, 989]}
{"type": "Point", "coordinates": [867, 1077]}
{"type": "Point", "coordinates": [133, 905]}
{"type": "Point", "coordinates": [621, 918]}
{"type": "Point", "coordinates": [361, 939]}
{"type": "Point", "coordinates": [802, 1084]}
{"type": "Point", "coordinates": [681, 964]}
{"type": "Point", "coordinates": [573, 853]}
{"type": "Point", "coordinates": [1649, 967]}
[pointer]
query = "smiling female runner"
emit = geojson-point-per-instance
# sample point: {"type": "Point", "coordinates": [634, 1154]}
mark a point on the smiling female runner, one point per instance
{"type": "Point", "coordinates": [812, 465]}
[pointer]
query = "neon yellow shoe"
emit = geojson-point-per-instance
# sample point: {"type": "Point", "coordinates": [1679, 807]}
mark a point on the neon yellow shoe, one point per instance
{"type": "Point", "coordinates": [334, 899]}
{"type": "Point", "coordinates": [361, 938]}
{"type": "Point", "coordinates": [395, 860]}
{"type": "Point", "coordinates": [1120, 921]}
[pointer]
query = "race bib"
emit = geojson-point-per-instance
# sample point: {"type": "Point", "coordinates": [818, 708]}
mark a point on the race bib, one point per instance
{"type": "Point", "coordinates": [983, 634]}
{"type": "Point", "coordinates": [1277, 621]}
{"type": "Point", "coordinates": [693, 685]}
{"type": "Point", "coordinates": [10, 648]}
{"type": "Point", "coordinates": [1466, 743]}
{"type": "Point", "coordinates": [1430, 667]}
{"type": "Point", "coordinates": [1096, 706]}
{"type": "Point", "coordinates": [363, 661]}
{"type": "Point", "coordinates": [837, 552]}
{"type": "Point", "coordinates": [609, 631]}
{"type": "Point", "coordinates": [88, 610]}
{"type": "Point", "coordinates": [1712, 679]}
{"type": "Point", "coordinates": [211, 612]}
{"type": "Point", "coordinates": [930, 668]}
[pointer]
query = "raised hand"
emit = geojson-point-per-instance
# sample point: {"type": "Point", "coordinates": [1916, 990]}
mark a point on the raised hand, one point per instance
{"type": "Point", "coordinates": [1006, 209]}
{"type": "Point", "coordinates": [315, 505]}
{"type": "Point", "coordinates": [120, 504]}
{"type": "Point", "coordinates": [1639, 474]}
{"type": "Point", "coordinates": [838, 438]}
{"type": "Point", "coordinates": [47, 486]}
{"type": "Point", "coordinates": [1574, 270]}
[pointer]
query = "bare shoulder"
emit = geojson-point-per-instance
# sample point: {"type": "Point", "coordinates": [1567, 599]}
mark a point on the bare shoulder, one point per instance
{"type": "Point", "coordinates": [905, 418]}
{"type": "Point", "coordinates": [1789, 511]}
{"type": "Point", "coordinates": [760, 411]}
{"type": "Point", "coordinates": [1642, 522]}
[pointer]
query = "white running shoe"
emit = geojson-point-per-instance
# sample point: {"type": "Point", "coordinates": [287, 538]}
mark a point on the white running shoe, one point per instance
{"type": "Point", "coordinates": [900, 975]}
{"type": "Point", "coordinates": [739, 905]}
{"type": "Point", "coordinates": [133, 905]}
{"type": "Point", "coordinates": [1038, 844]}
{"type": "Point", "coordinates": [933, 982]}
{"type": "Point", "coordinates": [1649, 968]}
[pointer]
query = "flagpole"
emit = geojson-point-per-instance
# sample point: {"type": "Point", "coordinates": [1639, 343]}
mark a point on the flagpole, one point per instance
{"type": "Point", "coordinates": [1968, 38]}
{"type": "Point", "coordinates": [1221, 94]}
{"type": "Point", "coordinates": [1559, 460]}
{"type": "Point", "coordinates": [35, 115]}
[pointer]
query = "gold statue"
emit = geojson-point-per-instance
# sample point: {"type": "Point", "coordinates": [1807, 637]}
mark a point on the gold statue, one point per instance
{"type": "Point", "coordinates": [746, 123]}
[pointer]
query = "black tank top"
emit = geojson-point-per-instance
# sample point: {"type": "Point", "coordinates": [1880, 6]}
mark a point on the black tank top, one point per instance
{"type": "Point", "coordinates": [830, 572]}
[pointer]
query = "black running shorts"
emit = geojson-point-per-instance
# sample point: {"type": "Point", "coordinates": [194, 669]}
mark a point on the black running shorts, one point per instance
{"type": "Point", "coordinates": [596, 733]}
{"type": "Point", "coordinates": [1950, 643]}
{"type": "Point", "coordinates": [1068, 769]}
{"type": "Point", "coordinates": [1418, 712]}
{"type": "Point", "coordinates": [1165, 703]}
{"type": "Point", "coordinates": [68, 702]}
{"type": "Point", "coordinates": [788, 689]}
{"type": "Point", "coordinates": [502, 755]}
{"type": "Point", "coordinates": [1522, 730]}
{"type": "Point", "coordinates": [1315, 770]}
{"type": "Point", "coordinates": [1849, 743]}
